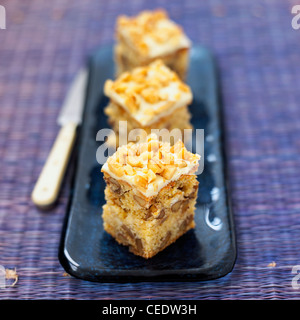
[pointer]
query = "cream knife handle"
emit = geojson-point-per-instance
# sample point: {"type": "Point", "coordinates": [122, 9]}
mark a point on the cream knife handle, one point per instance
{"type": "Point", "coordinates": [48, 184]}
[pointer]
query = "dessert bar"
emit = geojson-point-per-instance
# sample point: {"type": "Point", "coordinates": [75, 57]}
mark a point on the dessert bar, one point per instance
{"type": "Point", "coordinates": [148, 36]}
{"type": "Point", "coordinates": [150, 195]}
{"type": "Point", "coordinates": [149, 97]}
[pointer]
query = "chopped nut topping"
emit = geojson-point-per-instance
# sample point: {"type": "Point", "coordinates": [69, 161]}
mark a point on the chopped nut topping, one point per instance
{"type": "Point", "coordinates": [147, 28]}
{"type": "Point", "coordinates": [139, 167]}
{"type": "Point", "coordinates": [129, 170]}
{"type": "Point", "coordinates": [155, 87]}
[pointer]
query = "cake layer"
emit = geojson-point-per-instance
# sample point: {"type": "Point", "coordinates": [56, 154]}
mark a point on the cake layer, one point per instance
{"type": "Point", "coordinates": [145, 238]}
{"type": "Point", "coordinates": [177, 195]}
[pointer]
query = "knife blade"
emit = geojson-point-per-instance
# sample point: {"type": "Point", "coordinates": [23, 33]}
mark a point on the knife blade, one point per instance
{"type": "Point", "coordinates": [47, 187]}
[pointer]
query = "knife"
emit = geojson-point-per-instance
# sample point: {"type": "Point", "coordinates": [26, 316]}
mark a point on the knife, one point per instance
{"type": "Point", "coordinates": [47, 187]}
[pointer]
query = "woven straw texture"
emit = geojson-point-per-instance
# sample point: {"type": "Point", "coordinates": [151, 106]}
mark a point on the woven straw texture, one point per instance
{"type": "Point", "coordinates": [257, 50]}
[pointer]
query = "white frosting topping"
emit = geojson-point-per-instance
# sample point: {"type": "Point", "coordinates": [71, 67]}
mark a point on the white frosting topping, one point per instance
{"type": "Point", "coordinates": [152, 34]}
{"type": "Point", "coordinates": [152, 182]}
{"type": "Point", "coordinates": [161, 182]}
{"type": "Point", "coordinates": [149, 93]}
{"type": "Point", "coordinates": [157, 109]}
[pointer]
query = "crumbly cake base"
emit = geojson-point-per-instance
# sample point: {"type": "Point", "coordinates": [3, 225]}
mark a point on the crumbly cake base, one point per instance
{"type": "Point", "coordinates": [167, 200]}
{"type": "Point", "coordinates": [126, 59]}
{"type": "Point", "coordinates": [179, 119]}
{"type": "Point", "coordinates": [148, 225]}
{"type": "Point", "coordinates": [144, 238]}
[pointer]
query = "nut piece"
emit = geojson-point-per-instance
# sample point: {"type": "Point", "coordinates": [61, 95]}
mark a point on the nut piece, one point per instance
{"type": "Point", "coordinates": [150, 212]}
{"type": "Point", "coordinates": [114, 185]}
{"type": "Point", "coordinates": [139, 245]}
{"type": "Point", "coordinates": [153, 209]}
{"type": "Point", "coordinates": [120, 237]}
{"type": "Point", "coordinates": [135, 161]}
{"type": "Point", "coordinates": [121, 156]}
{"type": "Point", "coordinates": [161, 221]}
{"type": "Point", "coordinates": [142, 182]}
{"type": "Point", "coordinates": [150, 95]}
{"type": "Point", "coordinates": [181, 163]}
{"type": "Point", "coordinates": [151, 176]}
{"type": "Point", "coordinates": [161, 214]}
{"type": "Point", "coordinates": [129, 170]}
{"type": "Point", "coordinates": [168, 172]}
{"type": "Point", "coordinates": [165, 240]}
{"type": "Point", "coordinates": [128, 232]}
{"type": "Point", "coordinates": [154, 166]}
{"type": "Point", "coordinates": [167, 158]}
{"type": "Point", "coordinates": [177, 147]}
{"type": "Point", "coordinates": [116, 168]}
{"type": "Point", "coordinates": [148, 215]}
{"type": "Point", "coordinates": [185, 205]}
{"type": "Point", "coordinates": [162, 217]}
{"type": "Point", "coordinates": [183, 154]}
{"type": "Point", "coordinates": [131, 103]}
{"type": "Point", "coordinates": [176, 206]}
{"type": "Point", "coordinates": [186, 222]}
{"type": "Point", "coordinates": [182, 205]}
{"type": "Point", "coordinates": [153, 145]}
{"type": "Point", "coordinates": [193, 194]}
{"type": "Point", "coordinates": [141, 201]}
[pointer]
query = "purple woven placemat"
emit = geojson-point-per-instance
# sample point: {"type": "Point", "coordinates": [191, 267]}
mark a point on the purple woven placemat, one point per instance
{"type": "Point", "coordinates": [257, 50]}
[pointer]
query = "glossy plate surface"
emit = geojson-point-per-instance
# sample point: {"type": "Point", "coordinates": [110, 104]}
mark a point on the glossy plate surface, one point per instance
{"type": "Point", "coordinates": [207, 252]}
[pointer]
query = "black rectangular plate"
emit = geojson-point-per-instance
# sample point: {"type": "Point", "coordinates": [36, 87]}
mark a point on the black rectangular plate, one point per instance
{"type": "Point", "coordinates": [207, 252]}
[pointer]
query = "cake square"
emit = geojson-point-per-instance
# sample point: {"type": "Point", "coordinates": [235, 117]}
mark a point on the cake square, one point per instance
{"type": "Point", "coordinates": [150, 195]}
{"type": "Point", "coordinates": [148, 36]}
{"type": "Point", "coordinates": [149, 97]}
